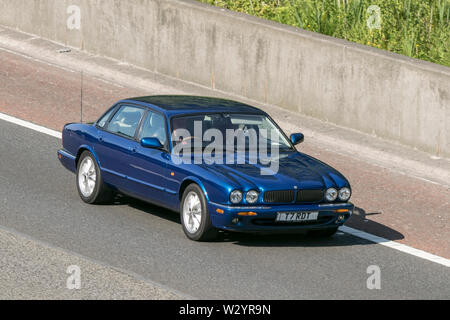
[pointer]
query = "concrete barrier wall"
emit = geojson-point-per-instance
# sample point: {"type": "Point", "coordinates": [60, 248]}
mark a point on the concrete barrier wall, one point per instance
{"type": "Point", "coordinates": [351, 85]}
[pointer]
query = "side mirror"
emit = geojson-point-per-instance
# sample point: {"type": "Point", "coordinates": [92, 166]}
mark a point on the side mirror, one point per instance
{"type": "Point", "coordinates": [297, 138]}
{"type": "Point", "coordinates": [152, 143]}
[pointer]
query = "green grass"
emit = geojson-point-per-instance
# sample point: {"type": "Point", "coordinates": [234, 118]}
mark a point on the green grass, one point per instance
{"type": "Point", "coordinates": [415, 28]}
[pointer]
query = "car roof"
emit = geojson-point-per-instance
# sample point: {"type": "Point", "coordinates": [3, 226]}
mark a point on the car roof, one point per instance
{"type": "Point", "coordinates": [182, 104]}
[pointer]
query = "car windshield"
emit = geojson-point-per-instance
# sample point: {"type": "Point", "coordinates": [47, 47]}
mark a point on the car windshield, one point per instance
{"type": "Point", "coordinates": [242, 131]}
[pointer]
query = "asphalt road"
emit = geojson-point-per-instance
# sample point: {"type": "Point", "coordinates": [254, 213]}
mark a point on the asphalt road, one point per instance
{"type": "Point", "coordinates": [30, 269]}
{"type": "Point", "coordinates": [38, 197]}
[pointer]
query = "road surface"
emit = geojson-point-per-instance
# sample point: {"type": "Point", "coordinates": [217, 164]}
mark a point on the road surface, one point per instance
{"type": "Point", "coordinates": [143, 246]}
{"type": "Point", "coordinates": [39, 199]}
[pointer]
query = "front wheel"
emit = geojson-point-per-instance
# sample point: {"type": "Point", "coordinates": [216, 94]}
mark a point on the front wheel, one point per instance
{"type": "Point", "coordinates": [90, 184]}
{"type": "Point", "coordinates": [194, 215]}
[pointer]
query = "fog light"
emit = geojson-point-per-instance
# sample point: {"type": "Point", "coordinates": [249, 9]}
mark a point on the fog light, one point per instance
{"type": "Point", "coordinates": [341, 218]}
{"type": "Point", "coordinates": [235, 221]}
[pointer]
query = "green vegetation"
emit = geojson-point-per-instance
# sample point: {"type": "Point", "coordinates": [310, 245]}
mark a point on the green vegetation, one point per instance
{"type": "Point", "coordinates": [416, 28]}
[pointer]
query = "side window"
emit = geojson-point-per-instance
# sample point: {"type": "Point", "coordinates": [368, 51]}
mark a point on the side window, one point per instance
{"type": "Point", "coordinates": [126, 121]}
{"type": "Point", "coordinates": [154, 127]}
{"type": "Point", "coordinates": [101, 123]}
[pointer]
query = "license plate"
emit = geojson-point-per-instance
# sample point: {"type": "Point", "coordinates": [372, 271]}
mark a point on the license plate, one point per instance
{"type": "Point", "coordinates": [297, 216]}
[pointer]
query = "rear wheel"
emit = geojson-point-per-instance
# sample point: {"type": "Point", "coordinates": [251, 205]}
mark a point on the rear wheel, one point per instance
{"type": "Point", "coordinates": [194, 215]}
{"type": "Point", "coordinates": [90, 184]}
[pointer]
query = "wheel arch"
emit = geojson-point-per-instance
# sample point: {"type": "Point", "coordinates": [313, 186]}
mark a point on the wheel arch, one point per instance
{"type": "Point", "coordinates": [80, 151]}
{"type": "Point", "coordinates": [188, 181]}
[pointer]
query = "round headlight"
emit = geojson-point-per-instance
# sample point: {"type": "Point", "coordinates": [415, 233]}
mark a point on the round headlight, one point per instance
{"type": "Point", "coordinates": [331, 194]}
{"type": "Point", "coordinates": [344, 194]}
{"type": "Point", "coordinates": [236, 196]}
{"type": "Point", "coordinates": [251, 196]}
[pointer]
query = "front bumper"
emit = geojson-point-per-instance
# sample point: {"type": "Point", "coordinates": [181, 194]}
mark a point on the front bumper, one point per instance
{"type": "Point", "coordinates": [265, 220]}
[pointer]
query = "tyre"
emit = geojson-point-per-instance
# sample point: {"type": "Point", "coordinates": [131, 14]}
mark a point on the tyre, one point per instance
{"type": "Point", "coordinates": [90, 184]}
{"type": "Point", "coordinates": [194, 215]}
{"type": "Point", "coordinates": [324, 233]}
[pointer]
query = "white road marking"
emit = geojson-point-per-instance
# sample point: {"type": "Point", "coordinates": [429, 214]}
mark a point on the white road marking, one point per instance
{"type": "Point", "coordinates": [357, 233]}
{"type": "Point", "coordinates": [397, 246]}
{"type": "Point", "coordinates": [31, 126]}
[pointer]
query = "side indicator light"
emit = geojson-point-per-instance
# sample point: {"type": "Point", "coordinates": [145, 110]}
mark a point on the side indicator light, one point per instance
{"type": "Point", "coordinates": [341, 210]}
{"type": "Point", "coordinates": [220, 211]}
{"type": "Point", "coordinates": [172, 174]}
{"type": "Point", "coordinates": [59, 156]}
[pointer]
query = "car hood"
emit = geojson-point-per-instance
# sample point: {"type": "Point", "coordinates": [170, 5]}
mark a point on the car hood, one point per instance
{"type": "Point", "coordinates": [295, 170]}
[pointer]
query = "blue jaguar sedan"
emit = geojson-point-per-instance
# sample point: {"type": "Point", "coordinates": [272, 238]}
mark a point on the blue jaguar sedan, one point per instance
{"type": "Point", "coordinates": [223, 165]}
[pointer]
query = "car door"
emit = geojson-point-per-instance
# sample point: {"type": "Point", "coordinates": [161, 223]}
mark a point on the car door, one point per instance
{"type": "Point", "coordinates": [149, 166]}
{"type": "Point", "coordinates": [117, 145]}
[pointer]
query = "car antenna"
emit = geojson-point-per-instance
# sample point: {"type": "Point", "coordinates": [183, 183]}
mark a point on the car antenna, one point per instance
{"type": "Point", "coordinates": [81, 98]}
